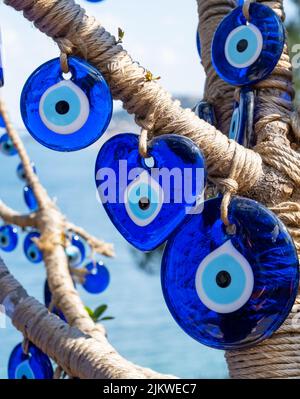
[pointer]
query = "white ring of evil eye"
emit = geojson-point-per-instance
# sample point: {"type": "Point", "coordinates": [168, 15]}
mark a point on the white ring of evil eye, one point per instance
{"type": "Point", "coordinates": [226, 249]}
{"type": "Point", "coordinates": [251, 60]}
{"type": "Point", "coordinates": [144, 180]}
{"type": "Point", "coordinates": [83, 111]}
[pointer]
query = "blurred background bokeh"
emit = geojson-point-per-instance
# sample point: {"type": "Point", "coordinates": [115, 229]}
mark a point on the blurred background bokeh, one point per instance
{"type": "Point", "coordinates": [143, 330]}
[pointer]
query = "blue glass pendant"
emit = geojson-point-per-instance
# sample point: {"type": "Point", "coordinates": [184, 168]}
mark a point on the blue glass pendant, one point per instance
{"type": "Point", "coordinates": [21, 173]}
{"type": "Point", "coordinates": [142, 202]}
{"type": "Point", "coordinates": [206, 112]}
{"type": "Point", "coordinates": [198, 43]}
{"type": "Point", "coordinates": [66, 115]}
{"type": "Point", "coordinates": [97, 278]}
{"type": "Point", "coordinates": [1, 63]}
{"type": "Point", "coordinates": [6, 145]}
{"type": "Point", "coordinates": [8, 238]}
{"type": "Point", "coordinates": [2, 123]}
{"type": "Point", "coordinates": [31, 250]}
{"type": "Point", "coordinates": [75, 251]}
{"type": "Point", "coordinates": [32, 366]}
{"type": "Point", "coordinates": [246, 53]}
{"type": "Point", "coordinates": [29, 198]}
{"type": "Point", "coordinates": [230, 291]}
{"type": "Point", "coordinates": [47, 301]}
{"type": "Point", "coordinates": [241, 127]}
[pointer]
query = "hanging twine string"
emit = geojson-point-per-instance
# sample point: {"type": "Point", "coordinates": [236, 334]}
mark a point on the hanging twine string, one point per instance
{"type": "Point", "coordinates": [143, 143]}
{"type": "Point", "coordinates": [246, 9]}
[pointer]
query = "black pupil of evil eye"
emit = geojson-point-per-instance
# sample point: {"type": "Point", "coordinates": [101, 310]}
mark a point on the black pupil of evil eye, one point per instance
{"type": "Point", "coordinates": [3, 240]}
{"type": "Point", "coordinates": [62, 107]}
{"type": "Point", "coordinates": [144, 203]}
{"type": "Point", "coordinates": [32, 254]}
{"type": "Point", "coordinates": [242, 45]}
{"type": "Point", "coordinates": [223, 279]}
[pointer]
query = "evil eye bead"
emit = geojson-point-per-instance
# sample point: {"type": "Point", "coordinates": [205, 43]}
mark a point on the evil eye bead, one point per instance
{"type": "Point", "coordinates": [146, 199]}
{"type": "Point", "coordinates": [143, 199]}
{"type": "Point", "coordinates": [241, 126]}
{"type": "Point", "coordinates": [6, 145]}
{"type": "Point", "coordinates": [48, 300]}
{"type": "Point", "coordinates": [205, 111]}
{"type": "Point", "coordinates": [97, 278]}
{"type": "Point", "coordinates": [21, 173]}
{"type": "Point", "coordinates": [230, 290]}
{"type": "Point", "coordinates": [75, 252]}
{"type": "Point", "coordinates": [31, 250]}
{"type": "Point", "coordinates": [1, 63]}
{"type": "Point", "coordinates": [2, 123]}
{"type": "Point", "coordinates": [245, 52]}
{"type": "Point", "coordinates": [29, 198]}
{"type": "Point", "coordinates": [8, 238]}
{"type": "Point", "coordinates": [66, 114]}
{"type": "Point", "coordinates": [32, 366]}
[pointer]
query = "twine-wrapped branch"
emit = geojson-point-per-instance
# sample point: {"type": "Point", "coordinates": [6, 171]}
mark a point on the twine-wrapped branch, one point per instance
{"type": "Point", "coordinates": [269, 174]}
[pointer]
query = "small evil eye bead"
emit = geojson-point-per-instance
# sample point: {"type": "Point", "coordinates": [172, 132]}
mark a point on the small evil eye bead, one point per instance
{"type": "Point", "coordinates": [29, 198]}
{"type": "Point", "coordinates": [34, 365]}
{"type": "Point", "coordinates": [143, 199]}
{"type": "Point", "coordinates": [205, 111]}
{"type": "Point", "coordinates": [245, 52]}
{"type": "Point", "coordinates": [6, 145]}
{"type": "Point", "coordinates": [48, 302]}
{"type": "Point", "coordinates": [66, 114]}
{"type": "Point", "coordinates": [31, 250]}
{"type": "Point", "coordinates": [224, 280]}
{"type": "Point", "coordinates": [75, 251]}
{"type": "Point", "coordinates": [21, 173]}
{"type": "Point", "coordinates": [97, 278]}
{"type": "Point", "coordinates": [8, 238]}
{"type": "Point", "coordinates": [230, 290]}
{"type": "Point", "coordinates": [2, 123]}
{"type": "Point", "coordinates": [1, 64]}
{"type": "Point", "coordinates": [241, 126]}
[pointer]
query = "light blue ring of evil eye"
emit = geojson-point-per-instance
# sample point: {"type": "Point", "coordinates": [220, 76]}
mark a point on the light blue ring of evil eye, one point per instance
{"type": "Point", "coordinates": [254, 46]}
{"type": "Point", "coordinates": [231, 293]}
{"type": "Point", "coordinates": [56, 95]}
{"type": "Point", "coordinates": [24, 370]}
{"type": "Point", "coordinates": [134, 197]}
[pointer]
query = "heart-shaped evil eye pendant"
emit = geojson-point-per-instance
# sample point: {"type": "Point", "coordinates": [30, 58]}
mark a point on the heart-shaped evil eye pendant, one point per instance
{"type": "Point", "coordinates": [97, 278]}
{"type": "Point", "coordinates": [32, 366]}
{"type": "Point", "coordinates": [206, 112]}
{"type": "Point", "coordinates": [31, 250]}
{"type": "Point", "coordinates": [245, 52]}
{"type": "Point", "coordinates": [6, 145]}
{"type": "Point", "coordinates": [66, 115]}
{"type": "Point", "coordinates": [8, 238]}
{"type": "Point", "coordinates": [241, 126]}
{"type": "Point", "coordinates": [75, 251]}
{"type": "Point", "coordinates": [147, 199]}
{"type": "Point", "coordinates": [226, 290]}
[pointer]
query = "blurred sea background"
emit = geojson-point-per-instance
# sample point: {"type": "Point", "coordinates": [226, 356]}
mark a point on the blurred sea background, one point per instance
{"type": "Point", "coordinates": [143, 329]}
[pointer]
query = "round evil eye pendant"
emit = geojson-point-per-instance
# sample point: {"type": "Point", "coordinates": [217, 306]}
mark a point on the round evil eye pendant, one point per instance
{"type": "Point", "coordinates": [97, 278]}
{"type": "Point", "coordinates": [34, 365]}
{"type": "Point", "coordinates": [66, 114]}
{"type": "Point", "coordinates": [246, 52]}
{"type": "Point", "coordinates": [225, 290]}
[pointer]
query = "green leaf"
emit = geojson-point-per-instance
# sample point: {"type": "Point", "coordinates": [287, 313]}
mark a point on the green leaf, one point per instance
{"type": "Point", "coordinates": [99, 311]}
{"type": "Point", "coordinates": [107, 318]}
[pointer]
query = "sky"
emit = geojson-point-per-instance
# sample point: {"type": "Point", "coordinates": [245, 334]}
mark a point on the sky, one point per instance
{"type": "Point", "coordinates": [160, 34]}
